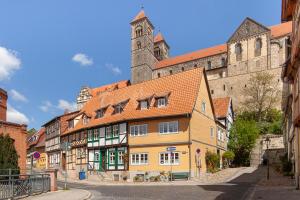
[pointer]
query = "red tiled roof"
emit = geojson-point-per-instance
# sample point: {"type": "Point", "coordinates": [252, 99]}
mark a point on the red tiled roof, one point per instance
{"type": "Point", "coordinates": [182, 89]}
{"type": "Point", "coordinates": [221, 106]}
{"type": "Point", "coordinates": [37, 135]}
{"type": "Point", "coordinates": [276, 31]}
{"type": "Point", "coordinates": [158, 38]}
{"type": "Point", "coordinates": [280, 30]}
{"type": "Point", "coordinates": [117, 85]}
{"type": "Point", "coordinates": [202, 53]}
{"type": "Point", "coordinates": [139, 16]}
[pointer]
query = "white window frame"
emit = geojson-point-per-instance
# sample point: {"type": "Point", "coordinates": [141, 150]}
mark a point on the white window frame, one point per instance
{"type": "Point", "coordinates": [169, 158]}
{"type": "Point", "coordinates": [137, 130]}
{"type": "Point", "coordinates": [164, 127]}
{"type": "Point", "coordinates": [144, 105]}
{"type": "Point", "coordinates": [139, 156]}
{"type": "Point", "coordinates": [161, 102]}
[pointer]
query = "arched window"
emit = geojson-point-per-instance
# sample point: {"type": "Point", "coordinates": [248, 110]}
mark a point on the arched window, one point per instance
{"type": "Point", "coordinates": [258, 45]}
{"type": "Point", "coordinates": [223, 62]}
{"type": "Point", "coordinates": [182, 68]}
{"type": "Point", "coordinates": [139, 45]}
{"type": "Point", "coordinates": [157, 52]}
{"type": "Point", "coordinates": [139, 31]}
{"type": "Point", "coordinates": [208, 65]}
{"type": "Point", "coordinates": [171, 72]}
{"type": "Point", "coordinates": [238, 51]}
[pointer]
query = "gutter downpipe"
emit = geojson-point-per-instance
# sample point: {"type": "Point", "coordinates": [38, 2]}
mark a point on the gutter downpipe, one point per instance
{"type": "Point", "coordinates": [190, 153]}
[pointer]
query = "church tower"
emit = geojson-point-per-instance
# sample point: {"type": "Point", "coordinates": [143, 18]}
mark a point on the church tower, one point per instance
{"type": "Point", "coordinates": [161, 47]}
{"type": "Point", "coordinates": [142, 48]}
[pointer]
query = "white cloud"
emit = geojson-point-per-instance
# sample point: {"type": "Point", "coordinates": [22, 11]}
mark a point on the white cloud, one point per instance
{"type": "Point", "coordinates": [16, 116]}
{"type": "Point", "coordinates": [8, 63]}
{"type": "Point", "coordinates": [46, 106]}
{"type": "Point", "coordinates": [82, 59]}
{"type": "Point", "coordinates": [17, 96]}
{"type": "Point", "coordinates": [65, 105]}
{"type": "Point", "coordinates": [114, 69]}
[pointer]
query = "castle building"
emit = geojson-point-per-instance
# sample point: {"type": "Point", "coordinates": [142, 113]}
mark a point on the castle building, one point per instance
{"type": "Point", "coordinates": [252, 48]}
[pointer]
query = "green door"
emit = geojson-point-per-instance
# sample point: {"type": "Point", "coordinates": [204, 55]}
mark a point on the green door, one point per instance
{"type": "Point", "coordinates": [102, 161]}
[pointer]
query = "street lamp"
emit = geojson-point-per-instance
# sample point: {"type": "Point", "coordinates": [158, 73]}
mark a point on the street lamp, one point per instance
{"type": "Point", "coordinates": [268, 141]}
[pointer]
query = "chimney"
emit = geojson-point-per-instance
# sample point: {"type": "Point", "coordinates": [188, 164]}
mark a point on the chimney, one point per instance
{"type": "Point", "coordinates": [3, 104]}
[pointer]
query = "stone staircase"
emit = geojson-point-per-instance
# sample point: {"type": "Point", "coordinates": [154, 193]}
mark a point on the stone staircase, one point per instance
{"type": "Point", "coordinates": [256, 154]}
{"type": "Point", "coordinates": [99, 176]}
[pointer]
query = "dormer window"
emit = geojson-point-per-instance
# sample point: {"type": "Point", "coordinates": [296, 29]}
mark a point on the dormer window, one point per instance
{"type": "Point", "coordinates": [71, 124]}
{"type": "Point", "coordinates": [99, 113]}
{"type": "Point", "coordinates": [144, 105]}
{"type": "Point", "coordinates": [161, 102]}
{"type": "Point", "coordinates": [85, 120]}
{"type": "Point", "coordinates": [118, 108]}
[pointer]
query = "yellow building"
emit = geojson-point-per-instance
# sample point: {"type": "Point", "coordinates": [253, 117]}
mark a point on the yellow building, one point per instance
{"type": "Point", "coordinates": [134, 128]}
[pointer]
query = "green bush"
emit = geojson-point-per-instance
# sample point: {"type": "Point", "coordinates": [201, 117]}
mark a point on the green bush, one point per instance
{"type": "Point", "coordinates": [212, 161]}
{"type": "Point", "coordinates": [227, 157]}
{"type": "Point", "coordinates": [286, 165]}
{"type": "Point", "coordinates": [243, 135]}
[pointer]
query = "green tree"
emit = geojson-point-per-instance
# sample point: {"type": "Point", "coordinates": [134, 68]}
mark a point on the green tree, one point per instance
{"type": "Point", "coordinates": [261, 94]}
{"type": "Point", "coordinates": [31, 131]}
{"type": "Point", "coordinates": [243, 135]}
{"type": "Point", "coordinates": [8, 155]}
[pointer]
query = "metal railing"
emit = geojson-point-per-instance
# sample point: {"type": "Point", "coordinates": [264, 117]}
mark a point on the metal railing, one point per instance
{"type": "Point", "coordinates": [13, 186]}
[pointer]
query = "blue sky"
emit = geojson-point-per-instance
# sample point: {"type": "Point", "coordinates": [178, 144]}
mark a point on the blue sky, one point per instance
{"type": "Point", "coordinates": [50, 48]}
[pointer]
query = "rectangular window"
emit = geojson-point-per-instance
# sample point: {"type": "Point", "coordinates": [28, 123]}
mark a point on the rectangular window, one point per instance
{"type": "Point", "coordinates": [90, 135]}
{"type": "Point", "coordinates": [71, 124]}
{"type": "Point", "coordinates": [108, 132]}
{"type": "Point", "coordinates": [144, 105]}
{"type": "Point", "coordinates": [211, 132]}
{"type": "Point", "coordinates": [219, 134]}
{"type": "Point", "coordinates": [115, 131]}
{"type": "Point", "coordinates": [169, 158]}
{"type": "Point", "coordinates": [139, 159]}
{"type": "Point", "coordinates": [168, 127]}
{"type": "Point", "coordinates": [139, 130]}
{"type": "Point", "coordinates": [96, 135]}
{"type": "Point", "coordinates": [161, 102]}
{"type": "Point", "coordinates": [121, 157]}
{"type": "Point", "coordinates": [100, 113]}
{"type": "Point", "coordinates": [118, 108]}
{"type": "Point", "coordinates": [112, 157]}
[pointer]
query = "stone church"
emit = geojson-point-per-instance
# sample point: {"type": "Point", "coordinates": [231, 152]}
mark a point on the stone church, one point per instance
{"type": "Point", "coordinates": [252, 48]}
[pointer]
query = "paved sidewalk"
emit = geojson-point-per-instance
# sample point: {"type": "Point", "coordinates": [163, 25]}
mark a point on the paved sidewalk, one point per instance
{"type": "Point", "coordinates": [72, 194]}
{"type": "Point", "coordinates": [278, 187]}
{"type": "Point", "coordinates": [205, 179]}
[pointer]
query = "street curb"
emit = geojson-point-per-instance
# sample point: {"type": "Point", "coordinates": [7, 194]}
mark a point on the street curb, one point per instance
{"type": "Point", "coordinates": [88, 196]}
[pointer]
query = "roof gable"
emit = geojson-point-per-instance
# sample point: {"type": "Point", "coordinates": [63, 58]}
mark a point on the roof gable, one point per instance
{"type": "Point", "coordinates": [222, 106]}
{"type": "Point", "coordinates": [248, 28]}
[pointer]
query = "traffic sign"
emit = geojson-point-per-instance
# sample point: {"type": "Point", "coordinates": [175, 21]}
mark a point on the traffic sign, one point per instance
{"type": "Point", "coordinates": [36, 155]}
{"type": "Point", "coordinates": [171, 148]}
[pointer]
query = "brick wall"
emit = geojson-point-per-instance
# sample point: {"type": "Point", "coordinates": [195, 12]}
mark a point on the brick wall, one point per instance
{"type": "Point", "coordinates": [19, 134]}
